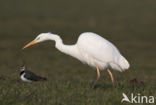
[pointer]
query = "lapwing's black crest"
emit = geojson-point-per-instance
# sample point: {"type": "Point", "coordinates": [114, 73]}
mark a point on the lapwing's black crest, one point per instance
{"type": "Point", "coordinates": [28, 76]}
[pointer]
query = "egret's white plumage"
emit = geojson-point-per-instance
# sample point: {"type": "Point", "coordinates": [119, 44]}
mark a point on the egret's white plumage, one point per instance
{"type": "Point", "coordinates": [91, 49]}
{"type": "Point", "coordinates": [95, 49]}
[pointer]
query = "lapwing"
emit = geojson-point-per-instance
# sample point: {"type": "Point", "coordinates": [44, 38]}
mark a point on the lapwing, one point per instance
{"type": "Point", "coordinates": [28, 76]}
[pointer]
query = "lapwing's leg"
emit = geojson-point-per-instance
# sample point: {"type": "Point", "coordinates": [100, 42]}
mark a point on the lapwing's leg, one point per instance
{"type": "Point", "coordinates": [98, 75]}
{"type": "Point", "coordinates": [111, 75]}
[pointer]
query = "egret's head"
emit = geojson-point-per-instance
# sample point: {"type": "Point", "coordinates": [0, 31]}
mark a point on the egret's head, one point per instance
{"type": "Point", "coordinates": [40, 38]}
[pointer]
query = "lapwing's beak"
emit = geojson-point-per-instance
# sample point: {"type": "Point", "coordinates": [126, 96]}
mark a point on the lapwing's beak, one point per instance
{"type": "Point", "coordinates": [30, 44]}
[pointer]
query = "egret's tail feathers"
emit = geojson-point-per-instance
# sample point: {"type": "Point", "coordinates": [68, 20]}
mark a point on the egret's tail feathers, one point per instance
{"type": "Point", "coordinates": [123, 63]}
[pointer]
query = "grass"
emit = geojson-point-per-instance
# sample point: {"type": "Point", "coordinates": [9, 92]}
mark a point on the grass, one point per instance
{"type": "Point", "coordinates": [130, 25]}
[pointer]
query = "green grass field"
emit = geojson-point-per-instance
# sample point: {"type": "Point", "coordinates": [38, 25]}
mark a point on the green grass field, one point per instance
{"type": "Point", "coordinates": [130, 25]}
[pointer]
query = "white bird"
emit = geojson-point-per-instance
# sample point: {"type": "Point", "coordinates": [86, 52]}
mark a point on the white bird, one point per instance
{"type": "Point", "coordinates": [91, 49]}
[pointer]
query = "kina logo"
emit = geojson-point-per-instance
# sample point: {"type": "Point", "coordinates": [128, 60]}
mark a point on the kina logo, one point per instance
{"type": "Point", "coordinates": [138, 99]}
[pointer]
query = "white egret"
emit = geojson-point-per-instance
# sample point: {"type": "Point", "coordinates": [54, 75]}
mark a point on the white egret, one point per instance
{"type": "Point", "coordinates": [91, 49]}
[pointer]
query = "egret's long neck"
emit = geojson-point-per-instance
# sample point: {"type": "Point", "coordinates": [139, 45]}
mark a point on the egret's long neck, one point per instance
{"type": "Point", "coordinates": [67, 49]}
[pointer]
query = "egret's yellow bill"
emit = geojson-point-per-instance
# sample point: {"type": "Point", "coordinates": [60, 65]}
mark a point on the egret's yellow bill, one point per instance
{"type": "Point", "coordinates": [29, 44]}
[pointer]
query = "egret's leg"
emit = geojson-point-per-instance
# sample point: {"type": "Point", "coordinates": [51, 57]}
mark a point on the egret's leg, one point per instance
{"type": "Point", "coordinates": [98, 75]}
{"type": "Point", "coordinates": [111, 75]}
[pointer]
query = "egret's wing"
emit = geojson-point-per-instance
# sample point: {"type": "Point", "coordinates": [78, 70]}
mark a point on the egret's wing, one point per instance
{"type": "Point", "coordinates": [97, 47]}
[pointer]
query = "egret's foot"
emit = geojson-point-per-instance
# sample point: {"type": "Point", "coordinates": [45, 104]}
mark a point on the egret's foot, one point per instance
{"type": "Point", "coordinates": [114, 85]}
{"type": "Point", "coordinates": [94, 85]}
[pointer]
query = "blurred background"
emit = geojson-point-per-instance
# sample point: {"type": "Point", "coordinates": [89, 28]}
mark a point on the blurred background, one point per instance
{"type": "Point", "coordinates": [129, 24]}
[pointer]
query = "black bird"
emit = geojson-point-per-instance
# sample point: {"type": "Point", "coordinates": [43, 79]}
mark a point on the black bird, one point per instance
{"type": "Point", "coordinates": [28, 76]}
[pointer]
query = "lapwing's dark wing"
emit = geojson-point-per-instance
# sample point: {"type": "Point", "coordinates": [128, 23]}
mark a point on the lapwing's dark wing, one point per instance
{"type": "Point", "coordinates": [21, 72]}
{"type": "Point", "coordinates": [31, 76]}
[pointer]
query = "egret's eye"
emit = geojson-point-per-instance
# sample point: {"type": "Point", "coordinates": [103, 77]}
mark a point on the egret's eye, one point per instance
{"type": "Point", "coordinates": [38, 38]}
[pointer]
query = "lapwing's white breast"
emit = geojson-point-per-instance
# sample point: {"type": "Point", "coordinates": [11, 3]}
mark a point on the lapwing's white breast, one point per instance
{"type": "Point", "coordinates": [24, 79]}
